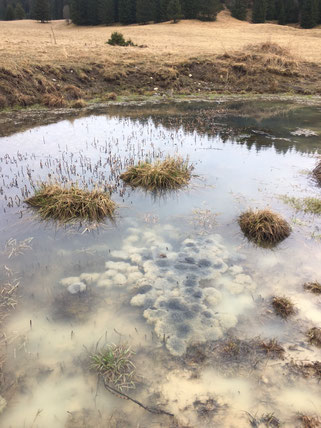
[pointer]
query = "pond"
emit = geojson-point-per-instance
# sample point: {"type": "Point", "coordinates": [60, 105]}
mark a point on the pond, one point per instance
{"type": "Point", "coordinates": [173, 277]}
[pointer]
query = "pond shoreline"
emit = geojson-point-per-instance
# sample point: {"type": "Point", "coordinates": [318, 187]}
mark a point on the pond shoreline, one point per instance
{"type": "Point", "coordinates": [17, 119]}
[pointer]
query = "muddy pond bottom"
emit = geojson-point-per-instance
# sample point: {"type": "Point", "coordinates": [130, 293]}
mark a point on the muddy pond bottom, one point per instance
{"type": "Point", "coordinates": [172, 282]}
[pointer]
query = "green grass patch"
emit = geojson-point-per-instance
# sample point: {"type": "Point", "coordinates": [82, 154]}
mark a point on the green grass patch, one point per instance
{"type": "Point", "coordinates": [71, 204]}
{"type": "Point", "coordinates": [307, 205]}
{"type": "Point", "coordinates": [170, 174]}
{"type": "Point", "coordinates": [264, 228]}
{"type": "Point", "coordinates": [114, 363]}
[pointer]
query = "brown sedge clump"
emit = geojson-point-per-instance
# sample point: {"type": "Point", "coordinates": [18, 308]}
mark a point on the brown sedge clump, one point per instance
{"type": "Point", "coordinates": [283, 306]}
{"type": "Point", "coordinates": [314, 287]}
{"type": "Point", "coordinates": [55, 202]}
{"type": "Point", "coordinates": [314, 336]}
{"type": "Point", "coordinates": [170, 174]}
{"type": "Point", "coordinates": [265, 228]}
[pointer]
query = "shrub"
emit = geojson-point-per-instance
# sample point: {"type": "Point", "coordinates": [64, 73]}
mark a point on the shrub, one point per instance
{"type": "Point", "coordinates": [65, 205]}
{"type": "Point", "coordinates": [314, 336]}
{"type": "Point", "coordinates": [117, 39]}
{"type": "Point", "coordinates": [170, 174]}
{"type": "Point", "coordinates": [264, 227]}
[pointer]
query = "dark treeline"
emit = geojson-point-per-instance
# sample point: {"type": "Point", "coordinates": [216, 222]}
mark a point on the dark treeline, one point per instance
{"type": "Point", "coordinates": [307, 13]}
{"type": "Point", "coordinates": [21, 9]}
{"type": "Point", "coordinates": [95, 12]}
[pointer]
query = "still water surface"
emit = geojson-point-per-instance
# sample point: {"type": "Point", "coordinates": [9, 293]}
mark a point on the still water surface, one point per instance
{"type": "Point", "coordinates": [173, 277]}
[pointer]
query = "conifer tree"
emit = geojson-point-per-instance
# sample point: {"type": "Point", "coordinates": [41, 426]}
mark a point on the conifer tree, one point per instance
{"type": "Point", "coordinates": [41, 10]}
{"type": "Point", "coordinates": [106, 12]}
{"type": "Point", "coordinates": [10, 16]}
{"type": "Point", "coordinates": [127, 11]}
{"type": "Point", "coordinates": [259, 11]}
{"type": "Point", "coordinates": [78, 12]}
{"type": "Point", "coordinates": [190, 9]}
{"type": "Point", "coordinates": [208, 9]}
{"type": "Point", "coordinates": [174, 10]}
{"type": "Point", "coordinates": [291, 11]}
{"type": "Point", "coordinates": [271, 10]}
{"type": "Point", "coordinates": [239, 9]}
{"type": "Point", "coordinates": [309, 14]}
{"type": "Point", "coordinates": [144, 11]}
{"type": "Point", "coordinates": [19, 11]}
{"type": "Point", "coordinates": [282, 15]}
{"type": "Point", "coordinates": [163, 10]}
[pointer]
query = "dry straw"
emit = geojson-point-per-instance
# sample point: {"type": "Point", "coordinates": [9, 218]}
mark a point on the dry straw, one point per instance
{"type": "Point", "coordinates": [170, 174]}
{"type": "Point", "coordinates": [264, 227]}
{"type": "Point", "coordinates": [71, 204]}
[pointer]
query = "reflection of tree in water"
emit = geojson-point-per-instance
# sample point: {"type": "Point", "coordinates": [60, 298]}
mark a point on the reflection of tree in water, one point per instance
{"type": "Point", "coordinates": [254, 124]}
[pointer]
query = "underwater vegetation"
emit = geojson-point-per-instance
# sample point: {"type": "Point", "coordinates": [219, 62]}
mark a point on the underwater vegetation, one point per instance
{"type": "Point", "coordinates": [283, 306]}
{"type": "Point", "coordinates": [170, 174]}
{"type": "Point", "coordinates": [114, 364]}
{"type": "Point", "coordinates": [307, 205]}
{"type": "Point", "coordinates": [314, 287]}
{"type": "Point", "coordinates": [264, 228]}
{"type": "Point", "coordinates": [69, 204]}
{"type": "Point", "coordinates": [314, 335]}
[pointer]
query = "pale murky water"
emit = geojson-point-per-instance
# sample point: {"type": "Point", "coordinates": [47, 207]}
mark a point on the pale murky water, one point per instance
{"type": "Point", "coordinates": [211, 286]}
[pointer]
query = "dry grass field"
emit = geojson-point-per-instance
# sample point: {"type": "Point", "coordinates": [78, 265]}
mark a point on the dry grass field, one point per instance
{"type": "Point", "coordinates": [65, 54]}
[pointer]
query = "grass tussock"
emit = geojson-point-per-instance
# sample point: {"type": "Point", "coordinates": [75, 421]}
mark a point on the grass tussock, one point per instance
{"type": "Point", "coordinates": [307, 205]}
{"type": "Point", "coordinates": [283, 306]}
{"type": "Point", "coordinates": [309, 421]}
{"type": "Point", "coordinates": [80, 103]}
{"type": "Point", "coordinates": [170, 174]}
{"type": "Point", "coordinates": [314, 287]}
{"type": "Point", "coordinates": [264, 228]}
{"type": "Point", "coordinates": [50, 100]}
{"type": "Point", "coordinates": [71, 204]}
{"type": "Point", "coordinates": [114, 363]}
{"type": "Point", "coordinates": [314, 336]}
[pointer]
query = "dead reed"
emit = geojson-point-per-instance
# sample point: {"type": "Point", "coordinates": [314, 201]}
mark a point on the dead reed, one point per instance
{"type": "Point", "coordinates": [170, 174]}
{"type": "Point", "coordinates": [71, 204]}
{"type": "Point", "coordinates": [314, 287]}
{"type": "Point", "coordinates": [264, 227]}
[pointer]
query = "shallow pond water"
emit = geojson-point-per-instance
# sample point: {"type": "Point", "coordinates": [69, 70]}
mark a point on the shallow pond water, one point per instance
{"type": "Point", "coordinates": [173, 277]}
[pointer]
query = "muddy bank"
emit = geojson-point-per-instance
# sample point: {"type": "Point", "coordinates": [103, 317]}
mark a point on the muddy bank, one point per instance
{"type": "Point", "coordinates": [259, 69]}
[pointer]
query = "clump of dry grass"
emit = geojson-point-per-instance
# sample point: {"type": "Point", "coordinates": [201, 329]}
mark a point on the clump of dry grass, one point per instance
{"type": "Point", "coordinates": [69, 204]}
{"type": "Point", "coordinates": [80, 103]}
{"type": "Point", "coordinates": [317, 172]}
{"type": "Point", "coordinates": [314, 335]}
{"type": "Point", "coordinates": [114, 363]}
{"type": "Point", "coordinates": [309, 421]}
{"type": "Point", "coordinates": [51, 100]}
{"type": "Point", "coordinates": [264, 227]}
{"type": "Point", "coordinates": [283, 306]}
{"type": "Point", "coordinates": [314, 287]}
{"type": "Point", "coordinates": [170, 174]}
{"type": "Point", "coordinates": [272, 348]}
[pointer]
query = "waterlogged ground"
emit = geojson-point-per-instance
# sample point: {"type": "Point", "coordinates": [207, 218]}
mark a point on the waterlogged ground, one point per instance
{"type": "Point", "coordinates": [173, 277]}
